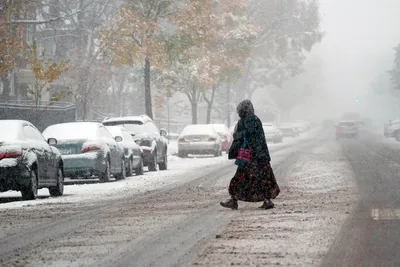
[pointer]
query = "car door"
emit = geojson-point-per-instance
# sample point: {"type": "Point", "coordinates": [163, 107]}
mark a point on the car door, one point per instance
{"type": "Point", "coordinates": [43, 152]}
{"type": "Point", "coordinates": [116, 159]}
{"type": "Point", "coordinates": [158, 138]}
{"type": "Point", "coordinates": [135, 149]}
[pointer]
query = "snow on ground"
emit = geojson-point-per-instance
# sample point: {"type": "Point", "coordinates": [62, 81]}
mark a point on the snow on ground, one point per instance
{"type": "Point", "coordinates": [137, 184]}
{"type": "Point", "coordinates": [298, 232]}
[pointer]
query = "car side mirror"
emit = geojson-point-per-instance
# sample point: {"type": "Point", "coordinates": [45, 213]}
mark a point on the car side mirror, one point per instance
{"type": "Point", "coordinates": [163, 132]}
{"type": "Point", "coordinates": [52, 141]}
{"type": "Point", "coordinates": [118, 139]}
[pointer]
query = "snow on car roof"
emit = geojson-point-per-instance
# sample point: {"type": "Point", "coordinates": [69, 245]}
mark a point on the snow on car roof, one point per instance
{"type": "Point", "coordinates": [199, 129]}
{"type": "Point", "coordinates": [13, 129]}
{"type": "Point", "coordinates": [72, 130]}
{"type": "Point", "coordinates": [142, 118]}
{"type": "Point", "coordinates": [221, 128]}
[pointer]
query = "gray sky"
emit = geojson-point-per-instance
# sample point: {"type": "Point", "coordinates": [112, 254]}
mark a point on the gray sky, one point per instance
{"type": "Point", "coordinates": [357, 47]}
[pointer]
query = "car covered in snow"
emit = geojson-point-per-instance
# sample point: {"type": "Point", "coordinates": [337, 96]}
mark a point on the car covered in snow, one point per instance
{"type": "Point", "coordinates": [225, 134]}
{"type": "Point", "coordinates": [347, 129]}
{"type": "Point", "coordinates": [288, 130]}
{"type": "Point", "coordinates": [28, 161]}
{"type": "Point", "coordinates": [88, 149]}
{"type": "Point", "coordinates": [199, 139]}
{"type": "Point", "coordinates": [148, 137]}
{"type": "Point", "coordinates": [133, 152]}
{"type": "Point", "coordinates": [272, 133]}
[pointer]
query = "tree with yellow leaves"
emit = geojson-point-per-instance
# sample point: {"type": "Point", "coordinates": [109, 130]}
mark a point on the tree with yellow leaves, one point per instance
{"type": "Point", "coordinates": [45, 71]}
{"type": "Point", "coordinates": [135, 38]}
{"type": "Point", "coordinates": [216, 38]}
{"type": "Point", "coordinates": [11, 45]}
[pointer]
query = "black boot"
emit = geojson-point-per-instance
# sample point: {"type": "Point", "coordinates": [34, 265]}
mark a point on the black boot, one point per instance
{"type": "Point", "coordinates": [230, 204]}
{"type": "Point", "coordinates": [268, 204]}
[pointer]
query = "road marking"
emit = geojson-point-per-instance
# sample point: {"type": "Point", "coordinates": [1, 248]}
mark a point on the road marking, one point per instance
{"type": "Point", "coordinates": [385, 214]}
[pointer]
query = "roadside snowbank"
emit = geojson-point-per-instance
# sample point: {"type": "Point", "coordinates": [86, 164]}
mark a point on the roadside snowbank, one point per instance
{"type": "Point", "coordinates": [135, 184]}
{"type": "Point", "coordinates": [308, 215]}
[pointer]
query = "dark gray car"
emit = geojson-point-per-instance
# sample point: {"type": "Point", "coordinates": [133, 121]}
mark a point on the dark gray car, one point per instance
{"type": "Point", "coordinates": [27, 161]}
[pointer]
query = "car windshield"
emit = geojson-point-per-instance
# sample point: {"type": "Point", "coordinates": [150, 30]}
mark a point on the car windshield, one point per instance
{"type": "Point", "coordinates": [135, 127]}
{"type": "Point", "coordinates": [72, 131]}
{"type": "Point", "coordinates": [12, 133]}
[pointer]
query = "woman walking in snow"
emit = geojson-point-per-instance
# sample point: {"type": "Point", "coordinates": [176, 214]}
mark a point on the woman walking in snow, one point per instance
{"type": "Point", "coordinates": [254, 180]}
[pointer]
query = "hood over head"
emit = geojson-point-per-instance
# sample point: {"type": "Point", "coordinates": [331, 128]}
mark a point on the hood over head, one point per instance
{"type": "Point", "coordinates": [245, 108]}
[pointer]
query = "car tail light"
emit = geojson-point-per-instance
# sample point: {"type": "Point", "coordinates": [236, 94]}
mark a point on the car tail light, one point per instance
{"type": "Point", "coordinates": [340, 128]}
{"type": "Point", "coordinates": [91, 147]}
{"type": "Point", "coordinates": [355, 128]}
{"type": "Point", "coordinates": [9, 153]}
{"type": "Point", "coordinates": [182, 140]}
{"type": "Point", "coordinates": [212, 139]}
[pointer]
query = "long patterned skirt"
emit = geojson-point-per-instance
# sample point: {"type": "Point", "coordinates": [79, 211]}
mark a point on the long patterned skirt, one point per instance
{"type": "Point", "coordinates": [254, 183]}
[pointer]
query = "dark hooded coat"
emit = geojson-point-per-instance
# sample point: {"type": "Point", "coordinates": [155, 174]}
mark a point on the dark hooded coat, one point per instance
{"type": "Point", "coordinates": [250, 126]}
{"type": "Point", "coordinates": [256, 181]}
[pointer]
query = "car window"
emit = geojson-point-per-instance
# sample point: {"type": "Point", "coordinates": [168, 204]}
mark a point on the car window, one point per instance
{"type": "Point", "coordinates": [32, 134]}
{"type": "Point", "coordinates": [127, 137]}
{"type": "Point", "coordinates": [150, 127]}
{"type": "Point", "coordinates": [104, 133]}
{"type": "Point", "coordinates": [136, 127]}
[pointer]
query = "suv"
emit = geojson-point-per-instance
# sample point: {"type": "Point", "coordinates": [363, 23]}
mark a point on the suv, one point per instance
{"type": "Point", "coordinates": [393, 129]}
{"type": "Point", "coordinates": [148, 137]}
{"type": "Point", "coordinates": [346, 129]}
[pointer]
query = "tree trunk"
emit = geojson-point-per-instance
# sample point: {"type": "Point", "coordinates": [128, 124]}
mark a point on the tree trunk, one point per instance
{"type": "Point", "coordinates": [194, 111]}
{"type": "Point", "coordinates": [210, 103]}
{"type": "Point", "coordinates": [6, 88]}
{"type": "Point", "coordinates": [228, 104]}
{"type": "Point", "coordinates": [147, 89]}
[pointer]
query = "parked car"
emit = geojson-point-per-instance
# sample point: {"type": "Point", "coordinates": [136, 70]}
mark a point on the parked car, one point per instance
{"type": "Point", "coordinates": [88, 149]}
{"type": "Point", "coordinates": [394, 129]}
{"type": "Point", "coordinates": [288, 130]}
{"type": "Point", "coordinates": [272, 133]}
{"type": "Point", "coordinates": [148, 137]}
{"type": "Point", "coordinates": [27, 161]}
{"type": "Point", "coordinates": [199, 139]}
{"type": "Point", "coordinates": [346, 129]}
{"type": "Point", "coordinates": [386, 127]}
{"type": "Point", "coordinates": [133, 152]}
{"type": "Point", "coordinates": [226, 136]}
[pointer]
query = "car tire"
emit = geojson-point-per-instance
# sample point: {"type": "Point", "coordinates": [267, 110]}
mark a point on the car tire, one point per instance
{"type": "Point", "coordinates": [216, 153]}
{"type": "Point", "coordinates": [164, 165]}
{"type": "Point", "coordinates": [153, 164]}
{"type": "Point", "coordinates": [30, 192]}
{"type": "Point", "coordinates": [122, 174]}
{"type": "Point", "coordinates": [106, 175]}
{"type": "Point", "coordinates": [139, 170]}
{"type": "Point", "coordinates": [130, 168]}
{"type": "Point", "coordinates": [58, 190]}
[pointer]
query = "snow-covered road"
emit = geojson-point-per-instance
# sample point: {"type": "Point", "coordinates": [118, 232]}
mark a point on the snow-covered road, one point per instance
{"type": "Point", "coordinates": [136, 184]}
{"type": "Point", "coordinates": [173, 218]}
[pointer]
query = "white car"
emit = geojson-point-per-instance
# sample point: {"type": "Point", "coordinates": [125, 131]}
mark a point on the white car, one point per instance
{"type": "Point", "coordinates": [272, 133]}
{"type": "Point", "coordinates": [393, 129]}
{"type": "Point", "coordinates": [288, 130]}
{"type": "Point", "coordinates": [346, 129]}
{"type": "Point", "coordinates": [199, 139]}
